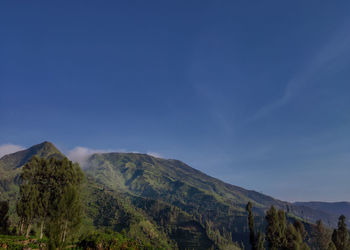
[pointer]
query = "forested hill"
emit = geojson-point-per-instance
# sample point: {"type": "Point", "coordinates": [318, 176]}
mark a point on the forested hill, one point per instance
{"type": "Point", "coordinates": [175, 182]}
{"type": "Point", "coordinates": [162, 200]}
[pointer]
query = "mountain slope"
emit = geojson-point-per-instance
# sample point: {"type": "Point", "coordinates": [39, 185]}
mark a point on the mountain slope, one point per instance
{"type": "Point", "coordinates": [16, 160]}
{"type": "Point", "coordinates": [208, 199]}
{"type": "Point", "coordinates": [334, 208]}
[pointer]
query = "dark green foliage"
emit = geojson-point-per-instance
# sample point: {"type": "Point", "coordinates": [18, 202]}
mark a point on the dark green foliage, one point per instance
{"type": "Point", "coordinates": [340, 236]}
{"type": "Point", "coordinates": [110, 240]}
{"type": "Point", "coordinates": [251, 226]}
{"type": "Point", "coordinates": [257, 242]}
{"type": "Point", "coordinates": [4, 219]}
{"type": "Point", "coordinates": [322, 236]}
{"type": "Point", "coordinates": [276, 228]}
{"type": "Point", "coordinates": [115, 211]}
{"type": "Point", "coordinates": [280, 236]}
{"type": "Point", "coordinates": [26, 207]}
{"type": "Point", "coordinates": [295, 238]}
{"type": "Point", "coordinates": [260, 242]}
{"type": "Point", "coordinates": [50, 195]}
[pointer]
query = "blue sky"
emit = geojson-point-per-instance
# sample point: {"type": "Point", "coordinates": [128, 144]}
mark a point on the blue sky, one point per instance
{"type": "Point", "coordinates": [255, 93]}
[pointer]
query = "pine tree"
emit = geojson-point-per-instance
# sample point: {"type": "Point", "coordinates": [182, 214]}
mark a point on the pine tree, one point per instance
{"type": "Point", "coordinates": [251, 225]}
{"type": "Point", "coordinates": [340, 236]}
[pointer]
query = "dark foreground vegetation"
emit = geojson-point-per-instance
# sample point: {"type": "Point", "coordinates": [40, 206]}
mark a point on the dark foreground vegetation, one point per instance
{"type": "Point", "coordinates": [282, 235]}
{"type": "Point", "coordinates": [134, 201]}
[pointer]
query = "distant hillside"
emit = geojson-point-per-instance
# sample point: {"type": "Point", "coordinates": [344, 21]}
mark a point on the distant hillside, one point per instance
{"type": "Point", "coordinates": [334, 208]}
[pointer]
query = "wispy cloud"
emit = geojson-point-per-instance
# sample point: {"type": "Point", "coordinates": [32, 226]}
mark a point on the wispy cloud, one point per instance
{"type": "Point", "coordinates": [9, 149]}
{"type": "Point", "coordinates": [327, 55]}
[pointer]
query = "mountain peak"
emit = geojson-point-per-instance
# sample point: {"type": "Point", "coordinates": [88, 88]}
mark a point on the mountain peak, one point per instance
{"type": "Point", "coordinates": [43, 150]}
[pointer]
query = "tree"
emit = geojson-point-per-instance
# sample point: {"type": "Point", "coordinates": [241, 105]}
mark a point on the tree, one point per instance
{"type": "Point", "coordinates": [276, 228]}
{"type": "Point", "coordinates": [36, 176]}
{"type": "Point", "coordinates": [322, 236]}
{"type": "Point", "coordinates": [65, 211]}
{"type": "Point", "coordinates": [260, 242]}
{"type": "Point", "coordinates": [340, 236]}
{"type": "Point", "coordinates": [4, 219]}
{"type": "Point", "coordinates": [295, 239]}
{"type": "Point", "coordinates": [50, 194]}
{"type": "Point", "coordinates": [299, 226]}
{"type": "Point", "coordinates": [27, 207]}
{"type": "Point", "coordinates": [251, 225]}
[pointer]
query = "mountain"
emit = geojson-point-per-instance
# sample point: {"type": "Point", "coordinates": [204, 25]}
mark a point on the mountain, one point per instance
{"type": "Point", "coordinates": [210, 200]}
{"type": "Point", "coordinates": [334, 208]}
{"type": "Point", "coordinates": [16, 160]}
{"type": "Point", "coordinates": [162, 201]}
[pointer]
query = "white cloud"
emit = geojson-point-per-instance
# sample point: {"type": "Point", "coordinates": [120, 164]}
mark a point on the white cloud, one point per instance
{"type": "Point", "coordinates": [9, 149]}
{"type": "Point", "coordinates": [154, 154]}
{"type": "Point", "coordinates": [82, 154]}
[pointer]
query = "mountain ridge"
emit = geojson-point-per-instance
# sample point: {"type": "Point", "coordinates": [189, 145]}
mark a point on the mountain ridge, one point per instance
{"type": "Point", "coordinates": [336, 208]}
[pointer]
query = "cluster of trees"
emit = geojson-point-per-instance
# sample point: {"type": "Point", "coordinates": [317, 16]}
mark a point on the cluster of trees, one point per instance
{"type": "Point", "coordinates": [293, 236]}
{"type": "Point", "coordinates": [50, 198]}
{"type": "Point", "coordinates": [279, 235]}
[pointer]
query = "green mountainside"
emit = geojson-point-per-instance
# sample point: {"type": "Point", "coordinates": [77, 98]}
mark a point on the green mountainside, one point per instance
{"type": "Point", "coordinates": [176, 183]}
{"type": "Point", "coordinates": [165, 203]}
